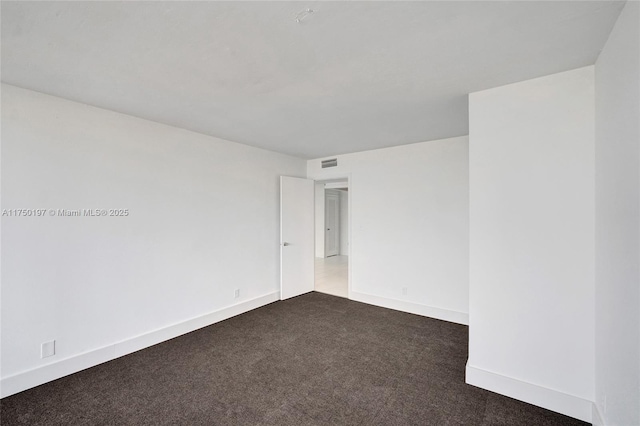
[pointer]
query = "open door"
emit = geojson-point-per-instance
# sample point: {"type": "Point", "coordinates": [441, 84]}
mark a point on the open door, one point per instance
{"type": "Point", "coordinates": [296, 236]}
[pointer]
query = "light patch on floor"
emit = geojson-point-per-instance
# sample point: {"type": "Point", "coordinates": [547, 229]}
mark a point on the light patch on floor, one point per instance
{"type": "Point", "coordinates": [332, 274]}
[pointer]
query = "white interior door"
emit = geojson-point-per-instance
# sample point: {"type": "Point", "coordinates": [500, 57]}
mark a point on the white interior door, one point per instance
{"type": "Point", "coordinates": [332, 223]}
{"type": "Point", "coordinates": [296, 236]}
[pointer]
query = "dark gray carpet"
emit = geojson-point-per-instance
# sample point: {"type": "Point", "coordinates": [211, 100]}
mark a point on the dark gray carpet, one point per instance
{"type": "Point", "coordinates": [312, 360]}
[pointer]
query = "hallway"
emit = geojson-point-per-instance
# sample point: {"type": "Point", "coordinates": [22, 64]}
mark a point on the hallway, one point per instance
{"type": "Point", "coordinates": [332, 275]}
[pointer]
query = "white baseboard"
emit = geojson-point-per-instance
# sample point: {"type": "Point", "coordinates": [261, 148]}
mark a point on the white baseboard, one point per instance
{"type": "Point", "coordinates": [31, 378]}
{"type": "Point", "coordinates": [550, 399]}
{"type": "Point", "coordinates": [596, 417]}
{"type": "Point", "coordinates": [412, 308]}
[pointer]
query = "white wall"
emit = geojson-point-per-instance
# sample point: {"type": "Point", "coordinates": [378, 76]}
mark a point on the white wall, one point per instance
{"type": "Point", "coordinates": [344, 223]}
{"type": "Point", "coordinates": [203, 221]}
{"type": "Point", "coordinates": [617, 231]}
{"type": "Point", "coordinates": [531, 161]}
{"type": "Point", "coordinates": [319, 219]}
{"type": "Point", "coordinates": [409, 226]}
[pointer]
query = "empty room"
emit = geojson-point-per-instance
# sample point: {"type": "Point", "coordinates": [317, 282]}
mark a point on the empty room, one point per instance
{"type": "Point", "coordinates": [326, 212]}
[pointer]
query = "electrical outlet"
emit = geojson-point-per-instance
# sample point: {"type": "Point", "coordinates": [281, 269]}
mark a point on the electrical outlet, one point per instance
{"type": "Point", "coordinates": [237, 293]}
{"type": "Point", "coordinates": [48, 349]}
{"type": "Point", "coordinates": [404, 291]}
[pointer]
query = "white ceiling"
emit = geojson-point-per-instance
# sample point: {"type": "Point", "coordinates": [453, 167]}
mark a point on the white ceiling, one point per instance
{"type": "Point", "coordinates": [351, 76]}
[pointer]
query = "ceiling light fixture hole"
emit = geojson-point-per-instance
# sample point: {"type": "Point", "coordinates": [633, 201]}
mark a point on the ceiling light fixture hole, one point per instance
{"type": "Point", "coordinates": [304, 14]}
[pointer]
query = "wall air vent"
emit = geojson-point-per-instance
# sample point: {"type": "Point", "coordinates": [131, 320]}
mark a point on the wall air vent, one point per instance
{"type": "Point", "coordinates": [329, 163]}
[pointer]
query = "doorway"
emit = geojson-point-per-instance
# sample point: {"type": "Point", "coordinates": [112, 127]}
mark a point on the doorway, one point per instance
{"type": "Point", "coordinates": [332, 237]}
{"type": "Point", "coordinates": [331, 222]}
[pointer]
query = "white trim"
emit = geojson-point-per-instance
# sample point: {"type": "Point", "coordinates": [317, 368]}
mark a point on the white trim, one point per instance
{"type": "Point", "coordinates": [334, 185]}
{"type": "Point", "coordinates": [412, 308]}
{"type": "Point", "coordinates": [46, 373]}
{"type": "Point", "coordinates": [541, 396]}
{"type": "Point", "coordinates": [596, 416]}
{"type": "Point", "coordinates": [281, 237]}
